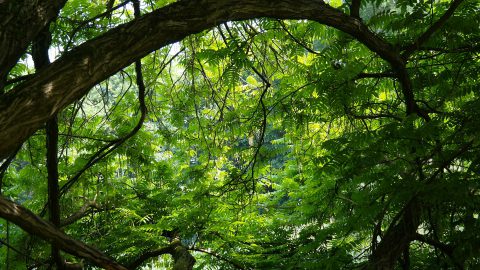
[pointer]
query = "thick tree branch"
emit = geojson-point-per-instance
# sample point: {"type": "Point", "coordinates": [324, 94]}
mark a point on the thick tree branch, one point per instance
{"type": "Point", "coordinates": [149, 254]}
{"type": "Point", "coordinates": [431, 30]}
{"type": "Point", "coordinates": [447, 249]}
{"type": "Point", "coordinates": [407, 91]}
{"type": "Point", "coordinates": [79, 214]}
{"type": "Point", "coordinates": [33, 224]}
{"type": "Point", "coordinates": [400, 69]}
{"type": "Point", "coordinates": [71, 76]}
{"type": "Point", "coordinates": [87, 208]}
{"type": "Point", "coordinates": [182, 259]}
{"type": "Point", "coordinates": [15, 15]}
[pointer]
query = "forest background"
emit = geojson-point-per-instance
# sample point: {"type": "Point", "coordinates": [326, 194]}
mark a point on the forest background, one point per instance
{"type": "Point", "coordinates": [248, 134]}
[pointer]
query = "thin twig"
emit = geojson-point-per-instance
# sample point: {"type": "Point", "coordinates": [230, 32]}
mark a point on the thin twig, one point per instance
{"type": "Point", "coordinates": [410, 49]}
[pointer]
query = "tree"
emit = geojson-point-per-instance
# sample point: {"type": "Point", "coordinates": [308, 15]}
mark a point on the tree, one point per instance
{"type": "Point", "coordinates": [300, 133]}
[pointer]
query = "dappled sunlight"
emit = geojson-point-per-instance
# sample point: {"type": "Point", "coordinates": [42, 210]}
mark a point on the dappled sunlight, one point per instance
{"type": "Point", "coordinates": [240, 134]}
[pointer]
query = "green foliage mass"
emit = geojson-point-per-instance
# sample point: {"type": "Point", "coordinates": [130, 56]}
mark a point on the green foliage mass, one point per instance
{"type": "Point", "coordinates": [265, 147]}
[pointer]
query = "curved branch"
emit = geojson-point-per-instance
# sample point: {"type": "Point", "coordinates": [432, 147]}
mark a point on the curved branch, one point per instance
{"type": "Point", "coordinates": [114, 144]}
{"type": "Point", "coordinates": [444, 248]}
{"type": "Point", "coordinates": [5, 165]}
{"type": "Point", "coordinates": [182, 259]}
{"type": "Point", "coordinates": [107, 13]}
{"type": "Point", "coordinates": [72, 75]}
{"type": "Point", "coordinates": [295, 39]}
{"type": "Point", "coordinates": [19, 79]}
{"type": "Point", "coordinates": [218, 256]}
{"type": "Point", "coordinates": [87, 208]}
{"type": "Point", "coordinates": [33, 224]}
{"type": "Point", "coordinates": [14, 42]}
{"type": "Point", "coordinates": [410, 49]}
{"type": "Point", "coordinates": [150, 254]}
{"type": "Point", "coordinates": [447, 249]}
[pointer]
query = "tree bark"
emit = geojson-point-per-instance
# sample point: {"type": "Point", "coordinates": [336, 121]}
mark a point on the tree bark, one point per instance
{"type": "Point", "coordinates": [34, 225]}
{"type": "Point", "coordinates": [26, 108]}
{"type": "Point", "coordinates": [397, 238]}
{"type": "Point", "coordinates": [21, 21]}
{"type": "Point", "coordinates": [53, 188]}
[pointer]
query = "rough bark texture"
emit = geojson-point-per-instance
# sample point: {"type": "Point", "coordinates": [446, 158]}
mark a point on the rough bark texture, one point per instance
{"type": "Point", "coordinates": [71, 76]}
{"type": "Point", "coordinates": [397, 238]}
{"type": "Point", "coordinates": [34, 225]}
{"type": "Point", "coordinates": [14, 36]}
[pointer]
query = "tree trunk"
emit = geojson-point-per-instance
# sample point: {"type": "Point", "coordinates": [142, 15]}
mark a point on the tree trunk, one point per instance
{"type": "Point", "coordinates": [397, 238]}
{"type": "Point", "coordinates": [41, 59]}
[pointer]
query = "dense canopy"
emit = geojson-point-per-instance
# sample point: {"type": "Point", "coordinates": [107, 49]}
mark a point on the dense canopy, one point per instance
{"type": "Point", "coordinates": [239, 134]}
